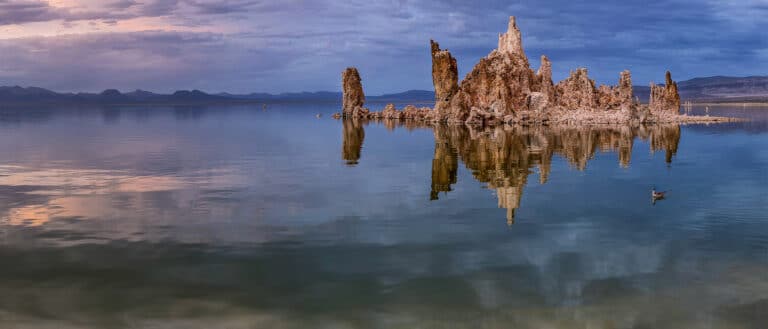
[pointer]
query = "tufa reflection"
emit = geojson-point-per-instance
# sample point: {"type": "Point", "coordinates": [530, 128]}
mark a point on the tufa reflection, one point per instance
{"type": "Point", "coordinates": [352, 144]}
{"type": "Point", "coordinates": [503, 157]}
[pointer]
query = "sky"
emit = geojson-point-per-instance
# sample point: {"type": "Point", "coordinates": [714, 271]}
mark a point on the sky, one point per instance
{"type": "Point", "coordinates": [244, 46]}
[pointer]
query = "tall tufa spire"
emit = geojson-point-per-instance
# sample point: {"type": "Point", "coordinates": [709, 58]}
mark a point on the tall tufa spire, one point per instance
{"type": "Point", "coordinates": [512, 41]}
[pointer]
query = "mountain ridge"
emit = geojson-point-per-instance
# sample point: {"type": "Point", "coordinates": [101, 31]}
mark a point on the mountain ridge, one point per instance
{"type": "Point", "coordinates": [699, 89]}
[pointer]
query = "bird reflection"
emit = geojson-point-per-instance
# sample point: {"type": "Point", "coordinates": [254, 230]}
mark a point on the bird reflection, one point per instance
{"type": "Point", "coordinates": [503, 157]}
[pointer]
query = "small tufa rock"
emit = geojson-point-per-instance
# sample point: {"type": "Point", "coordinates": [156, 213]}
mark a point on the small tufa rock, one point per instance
{"type": "Point", "coordinates": [665, 98]}
{"type": "Point", "coordinates": [544, 77]}
{"type": "Point", "coordinates": [445, 76]}
{"type": "Point", "coordinates": [353, 96]}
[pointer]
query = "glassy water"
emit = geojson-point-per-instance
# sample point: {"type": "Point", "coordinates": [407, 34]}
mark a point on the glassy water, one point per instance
{"type": "Point", "coordinates": [234, 217]}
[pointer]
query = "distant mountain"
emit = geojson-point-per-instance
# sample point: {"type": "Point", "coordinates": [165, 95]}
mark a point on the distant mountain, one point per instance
{"type": "Point", "coordinates": [724, 88]}
{"type": "Point", "coordinates": [717, 89]}
{"type": "Point", "coordinates": [410, 95]}
{"type": "Point", "coordinates": [302, 96]}
{"type": "Point", "coordinates": [709, 89]}
{"type": "Point", "coordinates": [21, 95]}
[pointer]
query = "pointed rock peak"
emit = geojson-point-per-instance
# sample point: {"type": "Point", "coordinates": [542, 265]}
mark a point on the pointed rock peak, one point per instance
{"type": "Point", "coordinates": [625, 77]}
{"type": "Point", "coordinates": [512, 25]}
{"type": "Point", "coordinates": [445, 75]}
{"type": "Point", "coordinates": [668, 80]}
{"type": "Point", "coordinates": [545, 69]}
{"type": "Point", "coordinates": [435, 47]}
{"type": "Point", "coordinates": [545, 62]}
{"type": "Point", "coordinates": [511, 42]}
{"type": "Point", "coordinates": [352, 90]}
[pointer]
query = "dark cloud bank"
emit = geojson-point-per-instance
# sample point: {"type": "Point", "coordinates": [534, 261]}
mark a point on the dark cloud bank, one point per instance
{"type": "Point", "coordinates": [303, 45]}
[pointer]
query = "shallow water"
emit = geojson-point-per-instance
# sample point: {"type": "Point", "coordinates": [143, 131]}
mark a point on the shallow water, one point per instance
{"type": "Point", "coordinates": [234, 217]}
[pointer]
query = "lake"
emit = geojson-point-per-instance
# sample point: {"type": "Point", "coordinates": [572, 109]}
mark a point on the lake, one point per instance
{"type": "Point", "coordinates": [239, 217]}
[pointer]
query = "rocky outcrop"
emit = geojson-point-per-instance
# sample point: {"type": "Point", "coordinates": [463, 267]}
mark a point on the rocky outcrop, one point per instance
{"type": "Point", "coordinates": [498, 85]}
{"type": "Point", "coordinates": [619, 97]}
{"type": "Point", "coordinates": [502, 88]}
{"type": "Point", "coordinates": [445, 76]}
{"type": "Point", "coordinates": [511, 42]}
{"type": "Point", "coordinates": [623, 92]}
{"type": "Point", "coordinates": [577, 92]}
{"type": "Point", "coordinates": [665, 98]}
{"type": "Point", "coordinates": [544, 77]}
{"type": "Point", "coordinates": [353, 96]}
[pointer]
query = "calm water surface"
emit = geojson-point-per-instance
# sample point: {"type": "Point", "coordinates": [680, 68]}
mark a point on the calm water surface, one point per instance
{"type": "Point", "coordinates": [234, 217]}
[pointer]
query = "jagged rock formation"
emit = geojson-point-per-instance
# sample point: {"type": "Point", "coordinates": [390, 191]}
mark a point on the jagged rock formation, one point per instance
{"type": "Point", "coordinates": [577, 92]}
{"type": "Point", "coordinates": [511, 42]}
{"type": "Point", "coordinates": [502, 88]}
{"type": "Point", "coordinates": [498, 85]}
{"type": "Point", "coordinates": [544, 77]}
{"type": "Point", "coordinates": [445, 76]}
{"type": "Point", "coordinates": [353, 96]}
{"type": "Point", "coordinates": [618, 97]}
{"type": "Point", "coordinates": [623, 92]}
{"type": "Point", "coordinates": [665, 98]}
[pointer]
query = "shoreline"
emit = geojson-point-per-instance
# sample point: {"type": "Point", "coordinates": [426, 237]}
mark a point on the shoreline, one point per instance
{"type": "Point", "coordinates": [424, 117]}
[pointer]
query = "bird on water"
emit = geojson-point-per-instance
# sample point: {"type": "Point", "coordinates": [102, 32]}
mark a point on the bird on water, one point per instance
{"type": "Point", "coordinates": [657, 195]}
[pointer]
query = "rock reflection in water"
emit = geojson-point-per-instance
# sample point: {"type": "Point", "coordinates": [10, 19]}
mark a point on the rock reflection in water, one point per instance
{"type": "Point", "coordinates": [503, 157]}
{"type": "Point", "coordinates": [354, 134]}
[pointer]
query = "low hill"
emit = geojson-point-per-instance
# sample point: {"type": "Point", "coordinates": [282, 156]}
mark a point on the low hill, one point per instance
{"type": "Point", "coordinates": [708, 89]}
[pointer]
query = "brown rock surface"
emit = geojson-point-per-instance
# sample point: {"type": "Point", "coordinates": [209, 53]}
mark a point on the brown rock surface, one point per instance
{"type": "Point", "coordinates": [544, 77]}
{"type": "Point", "coordinates": [618, 97]}
{"type": "Point", "coordinates": [445, 76]}
{"type": "Point", "coordinates": [352, 88]}
{"type": "Point", "coordinates": [537, 101]}
{"type": "Point", "coordinates": [499, 84]}
{"type": "Point", "coordinates": [577, 92]}
{"type": "Point", "coordinates": [511, 42]}
{"type": "Point", "coordinates": [665, 98]}
{"type": "Point", "coordinates": [623, 91]}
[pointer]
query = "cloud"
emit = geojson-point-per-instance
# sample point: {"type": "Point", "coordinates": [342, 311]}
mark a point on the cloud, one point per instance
{"type": "Point", "coordinates": [311, 42]}
{"type": "Point", "coordinates": [122, 4]}
{"type": "Point", "coordinates": [16, 12]}
{"type": "Point", "coordinates": [155, 59]}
